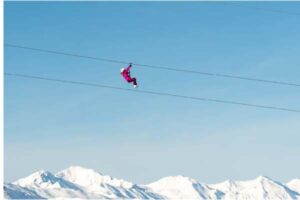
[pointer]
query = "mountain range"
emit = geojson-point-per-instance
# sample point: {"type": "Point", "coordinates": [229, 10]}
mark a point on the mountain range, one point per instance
{"type": "Point", "coordinates": [77, 182]}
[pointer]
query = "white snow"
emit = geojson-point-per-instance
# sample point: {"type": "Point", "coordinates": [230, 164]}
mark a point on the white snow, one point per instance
{"type": "Point", "coordinates": [81, 183]}
{"type": "Point", "coordinates": [90, 178]}
{"type": "Point", "coordinates": [180, 187]}
{"type": "Point", "coordinates": [294, 185]}
{"type": "Point", "coordinates": [78, 182]}
{"type": "Point", "coordinates": [45, 184]}
{"type": "Point", "coordinates": [259, 188]}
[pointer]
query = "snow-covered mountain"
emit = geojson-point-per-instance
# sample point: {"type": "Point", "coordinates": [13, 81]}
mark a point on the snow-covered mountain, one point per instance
{"type": "Point", "coordinates": [180, 187]}
{"type": "Point", "coordinates": [259, 188]}
{"type": "Point", "coordinates": [102, 186]}
{"type": "Point", "coordinates": [75, 182]}
{"type": "Point", "coordinates": [81, 183]}
{"type": "Point", "coordinates": [47, 185]}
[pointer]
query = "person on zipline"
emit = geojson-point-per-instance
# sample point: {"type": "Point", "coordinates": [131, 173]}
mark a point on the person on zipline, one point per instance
{"type": "Point", "coordinates": [126, 74]}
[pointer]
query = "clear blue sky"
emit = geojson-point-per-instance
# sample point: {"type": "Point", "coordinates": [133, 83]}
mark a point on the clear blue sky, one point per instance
{"type": "Point", "coordinates": [141, 137]}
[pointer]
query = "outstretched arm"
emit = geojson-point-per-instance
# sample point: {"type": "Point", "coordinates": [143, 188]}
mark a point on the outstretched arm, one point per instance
{"type": "Point", "coordinates": [128, 68]}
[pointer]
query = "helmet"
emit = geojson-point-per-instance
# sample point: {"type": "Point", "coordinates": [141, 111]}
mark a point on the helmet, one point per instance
{"type": "Point", "coordinates": [122, 69]}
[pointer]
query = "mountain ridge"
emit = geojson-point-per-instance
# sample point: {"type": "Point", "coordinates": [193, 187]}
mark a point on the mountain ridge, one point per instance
{"type": "Point", "coordinates": [79, 182]}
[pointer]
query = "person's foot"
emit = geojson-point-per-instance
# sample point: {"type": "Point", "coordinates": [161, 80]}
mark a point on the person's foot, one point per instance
{"type": "Point", "coordinates": [135, 86]}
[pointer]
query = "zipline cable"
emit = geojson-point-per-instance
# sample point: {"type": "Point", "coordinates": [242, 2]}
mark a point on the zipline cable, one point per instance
{"type": "Point", "coordinates": [154, 66]}
{"type": "Point", "coordinates": [151, 92]}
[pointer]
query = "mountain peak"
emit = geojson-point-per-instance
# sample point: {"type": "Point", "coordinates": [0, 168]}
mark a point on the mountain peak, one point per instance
{"type": "Point", "coordinates": [231, 183]}
{"type": "Point", "coordinates": [181, 187]}
{"type": "Point", "coordinates": [263, 178]}
{"type": "Point", "coordinates": [77, 167]}
{"type": "Point", "coordinates": [37, 178]}
{"type": "Point", "coordinates": [89, 177]}
{"type": "Point", "coordinates": [173, 182]}
{"type": "Point", "coordinates": [80, 182]}
{"type": "Point", "coordinates": [177, 179]}
{"type": "Point", "coordinates": [74, 169]}
{"type": "Point", "coordinates": [80, 175]}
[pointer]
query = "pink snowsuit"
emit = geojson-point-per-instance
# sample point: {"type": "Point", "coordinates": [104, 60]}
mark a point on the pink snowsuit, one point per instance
{"type": "Point", "coordinates": [126, 75]}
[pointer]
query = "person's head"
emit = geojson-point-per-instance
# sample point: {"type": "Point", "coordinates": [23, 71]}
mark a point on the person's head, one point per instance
{"type": "Point", "coordinates": [122, 70]}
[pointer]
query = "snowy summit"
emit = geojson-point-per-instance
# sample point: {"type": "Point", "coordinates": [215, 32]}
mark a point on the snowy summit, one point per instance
{"type": "Point", "coordinates": [80, 182]}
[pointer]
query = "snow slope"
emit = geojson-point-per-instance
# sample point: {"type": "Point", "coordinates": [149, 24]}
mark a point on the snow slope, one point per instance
{"type": "Point", "coordinates": [180, 187]}
{"type": "Point", "coordinates": [16, 192]}
{"type": "Point", "coordinates": [81, 183]}
{"type": "Point", "coordinates": [104, 186]}
{"type": "Point", "coordinates": [47, 185]}
{"type": "Point", "coordinates": [259, 188]}
{"type": "Point", "coordinates": [294, 185]}
{"type": "Point", "coordinates": [77, 182]}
